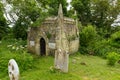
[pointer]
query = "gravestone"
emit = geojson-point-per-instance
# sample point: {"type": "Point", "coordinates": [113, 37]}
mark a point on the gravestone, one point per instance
{"type": "Point", "coordinates": [13, 70]}
{"type": "Point", "coordinates": [61, 60]}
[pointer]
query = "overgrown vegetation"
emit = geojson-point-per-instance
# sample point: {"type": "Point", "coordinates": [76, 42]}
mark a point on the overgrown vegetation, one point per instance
{"type": "Point", "coordinates": [3, 24]}
{"type": "Point", "coordinates": [15, 49]}
{"type": "Point", "coordinates": [88, 37]}
{"type": "Point", "coordinates": [49, 35]}
{"type": "Point", "coordinates": [93, 43]}
{"type": "Point", "coordinates": [115, 39]}
{"type": "Point", "coordinates": [112, 58]}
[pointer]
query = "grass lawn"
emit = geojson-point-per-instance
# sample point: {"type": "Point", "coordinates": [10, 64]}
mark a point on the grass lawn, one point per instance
{"type": "Point", "coordinates": [81, 67]}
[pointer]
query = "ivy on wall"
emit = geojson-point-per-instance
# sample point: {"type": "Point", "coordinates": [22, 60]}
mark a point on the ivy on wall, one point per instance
{"type": "Point", "coordinates": [49, 35]}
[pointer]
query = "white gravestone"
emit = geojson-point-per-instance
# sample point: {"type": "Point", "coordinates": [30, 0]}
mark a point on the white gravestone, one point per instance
{"type": "Point", "coordinates": [13, 70]}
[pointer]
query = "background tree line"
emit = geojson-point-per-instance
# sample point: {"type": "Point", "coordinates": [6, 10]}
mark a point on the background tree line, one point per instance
{"type": "Point", "coordinates": [30, 14]}
{"type": "Point", "coordinates": [100, 13]}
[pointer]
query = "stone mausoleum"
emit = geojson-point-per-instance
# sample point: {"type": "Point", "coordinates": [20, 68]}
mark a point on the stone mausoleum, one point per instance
{"type": "Point", "coordinates": [45, 39]}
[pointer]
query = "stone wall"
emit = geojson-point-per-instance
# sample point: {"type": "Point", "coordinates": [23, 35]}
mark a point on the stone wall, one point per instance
{"type": "Point", "coordinates": [31, 42]}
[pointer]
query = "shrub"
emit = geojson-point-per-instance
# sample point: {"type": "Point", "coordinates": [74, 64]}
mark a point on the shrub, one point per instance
{"type": "Point", "coordinates": [14, 45]}
{"type": "Point", "coordinates": [88, 35]}
{"type": "Point", "coordinates": [24, 60]}
{"type": "Point", "coordinates": [101, 48]}
{"type": "Point", "coordinates": [112, 58]}
{"type": "Point", "coordinates": [87, 39]}
{"type": "Point", "coordinates": [115, 39]}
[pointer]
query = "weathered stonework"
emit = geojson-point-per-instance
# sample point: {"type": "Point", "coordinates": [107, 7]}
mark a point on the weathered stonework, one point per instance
{"type": "Point", "coordinates": [62, 49]}
{"type": "Point", "coordinates": [51, 36]}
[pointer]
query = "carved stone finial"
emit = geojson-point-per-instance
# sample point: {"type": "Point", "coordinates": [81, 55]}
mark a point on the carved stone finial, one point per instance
{"type": "Point", "coordinates": [60, 27]}
{"type": "Point", "coordinates": [76, 21]}
{"type": "Point", "coordinates": [60, 12]}
{"type": "Point", "coordinates": [75, 13]}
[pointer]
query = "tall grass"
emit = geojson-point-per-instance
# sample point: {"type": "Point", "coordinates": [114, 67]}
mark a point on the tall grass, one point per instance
{"type": "Point", "coordinates": [15, 49]}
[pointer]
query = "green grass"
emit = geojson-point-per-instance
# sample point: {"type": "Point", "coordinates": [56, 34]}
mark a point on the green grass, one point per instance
{"type": "Point", "coordinates": [81, 67]}
{"type": "Point", "coordinates": [95, 68]}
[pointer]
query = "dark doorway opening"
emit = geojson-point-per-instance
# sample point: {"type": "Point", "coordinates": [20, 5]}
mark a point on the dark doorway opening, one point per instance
{"type": "Point", "coordinates": [42, 47]}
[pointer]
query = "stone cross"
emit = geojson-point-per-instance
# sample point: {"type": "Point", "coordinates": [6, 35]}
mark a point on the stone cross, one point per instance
{"type": "Point", "coordinates": [61, 53]}
{"type": "Point", "coordinates": [13, 70]}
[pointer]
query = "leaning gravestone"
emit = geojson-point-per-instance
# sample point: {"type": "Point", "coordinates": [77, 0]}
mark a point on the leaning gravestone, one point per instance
{"type": "Point", "coordinates": [61, 60]}
{"type": "Point", "coordinates": [13, 70]}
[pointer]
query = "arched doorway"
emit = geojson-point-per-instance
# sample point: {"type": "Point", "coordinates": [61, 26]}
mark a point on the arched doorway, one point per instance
{"type": "Point", "coordinates": [42, 47]}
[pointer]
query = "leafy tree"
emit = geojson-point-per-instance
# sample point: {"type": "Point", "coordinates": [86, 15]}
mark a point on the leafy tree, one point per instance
{"type": "Point", "coordinates": [83, 10]}
{"type": "Point", "coordinates": [104, 13]}
{"type": "Point", "coordinates": [54, 5]}
{"type": "Point", "coordinates": [33, 12]}
{"type": "Point", "coordinates": [101, 13]}
{"type": "Point", "coordinates": [3, 24]}
{"type": "Point", "coordinates": [29, 13]}
{"type": "Point", "coordinates": [20, 28]}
